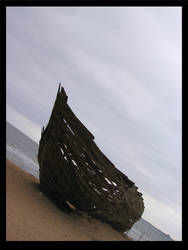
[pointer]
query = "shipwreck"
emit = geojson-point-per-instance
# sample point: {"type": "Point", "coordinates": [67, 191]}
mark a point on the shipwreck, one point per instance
{"type": "Point", "coordinates": [76, 175]}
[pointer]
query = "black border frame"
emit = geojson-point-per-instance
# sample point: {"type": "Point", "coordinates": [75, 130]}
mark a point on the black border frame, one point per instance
{"type": "Point", "coordinates": [47, 3]}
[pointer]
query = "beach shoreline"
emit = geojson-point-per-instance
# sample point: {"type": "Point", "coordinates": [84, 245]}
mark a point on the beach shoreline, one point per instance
{"type": "Point", "coordinates": [31, 216]}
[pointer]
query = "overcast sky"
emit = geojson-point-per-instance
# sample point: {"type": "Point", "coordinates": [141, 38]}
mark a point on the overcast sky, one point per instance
{"type": "Point", "coordinates": [121, 69]}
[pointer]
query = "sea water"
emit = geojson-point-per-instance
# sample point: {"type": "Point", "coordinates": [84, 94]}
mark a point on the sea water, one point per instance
{"type": "Point", "coordinates": [23, 151]}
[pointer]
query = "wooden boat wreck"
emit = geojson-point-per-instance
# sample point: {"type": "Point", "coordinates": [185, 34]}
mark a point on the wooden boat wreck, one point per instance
{"type": "Point", "coordinates": [75, 174]}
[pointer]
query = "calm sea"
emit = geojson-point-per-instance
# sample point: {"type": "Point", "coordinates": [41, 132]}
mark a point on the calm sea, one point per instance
{"type": "Point", "coordinates": [22, 151]}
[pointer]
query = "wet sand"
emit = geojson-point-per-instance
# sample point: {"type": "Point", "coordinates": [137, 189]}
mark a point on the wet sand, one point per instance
{"type": "Point", "coordinates": [31, 216]}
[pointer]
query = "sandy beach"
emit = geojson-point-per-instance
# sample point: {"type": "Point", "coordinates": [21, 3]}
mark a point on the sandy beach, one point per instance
{"type": "Point", "coordinates": [31, 216]}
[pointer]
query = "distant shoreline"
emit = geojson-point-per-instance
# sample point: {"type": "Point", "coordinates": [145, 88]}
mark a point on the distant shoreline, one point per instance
{"type": "Point", "coordinates": [31, 216]}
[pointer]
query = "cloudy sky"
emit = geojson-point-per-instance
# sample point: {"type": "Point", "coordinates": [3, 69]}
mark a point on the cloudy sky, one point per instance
{"type": "Point", "coordinates": [121, 69]}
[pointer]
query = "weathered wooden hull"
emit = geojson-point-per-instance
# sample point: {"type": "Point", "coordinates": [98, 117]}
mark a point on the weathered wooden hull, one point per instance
{"type": "Point", "coordinates": [74, 173]}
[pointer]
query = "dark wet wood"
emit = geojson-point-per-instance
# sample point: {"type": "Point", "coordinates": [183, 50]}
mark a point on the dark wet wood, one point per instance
{"type": "Point", "coordinates": [75, 173]}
